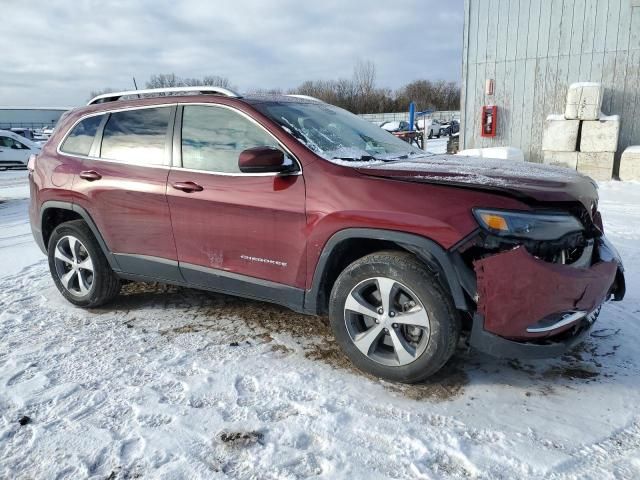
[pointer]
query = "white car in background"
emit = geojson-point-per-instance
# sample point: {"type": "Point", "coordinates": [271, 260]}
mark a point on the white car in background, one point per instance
{"type": "Point", "coordinates": [15, 150]}
{"type": "Point", "coordinates": [431, 127]}
{"type": "Point", "coordinates": [48, 131]}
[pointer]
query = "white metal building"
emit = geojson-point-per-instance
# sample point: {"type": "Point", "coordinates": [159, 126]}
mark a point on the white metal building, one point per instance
{"type": "Point", "coordinates": [532, 50]}
{"type": "Point", "coordinates": [29, 117]}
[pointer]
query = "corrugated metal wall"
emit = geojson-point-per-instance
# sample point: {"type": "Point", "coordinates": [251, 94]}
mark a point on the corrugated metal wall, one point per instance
{"type": "Point", "coordinates": [533, 49]}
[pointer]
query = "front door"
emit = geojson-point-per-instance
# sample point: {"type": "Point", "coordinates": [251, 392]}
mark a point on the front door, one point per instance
{"type": "Point", "coordinates": [235, 232]}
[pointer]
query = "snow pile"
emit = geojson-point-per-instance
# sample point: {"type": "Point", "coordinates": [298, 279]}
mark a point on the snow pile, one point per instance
{"type": "Point", "coordinates": [174, 383]}
{"type": "Point", "coordinates": [501, 153]}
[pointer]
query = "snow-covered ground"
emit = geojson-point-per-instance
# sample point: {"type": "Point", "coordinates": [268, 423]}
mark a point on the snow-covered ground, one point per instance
{"type": "Point", "coordinates": [174, 383]}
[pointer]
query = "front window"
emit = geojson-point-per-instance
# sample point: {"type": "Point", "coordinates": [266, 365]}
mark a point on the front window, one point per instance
{"type": "Point", "coordinates": [336, 134]}
{"type": "Point", "coordinates": [214, 137]}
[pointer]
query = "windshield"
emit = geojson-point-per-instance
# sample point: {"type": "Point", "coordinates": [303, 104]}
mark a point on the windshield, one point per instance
{"type": "Point", "coordinates": [337, 134]}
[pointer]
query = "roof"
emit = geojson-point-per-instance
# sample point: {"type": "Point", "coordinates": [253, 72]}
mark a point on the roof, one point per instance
{"type": "Point", "coordinates": [64, 109]}
{"type": "Point", "coordinates": [198, 90]}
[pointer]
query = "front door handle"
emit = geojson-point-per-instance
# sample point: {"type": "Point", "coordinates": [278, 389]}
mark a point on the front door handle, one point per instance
{"type": "Point", "coordinates": [188, 187]}
{"type": "Point", "coordinates": [90, 175]}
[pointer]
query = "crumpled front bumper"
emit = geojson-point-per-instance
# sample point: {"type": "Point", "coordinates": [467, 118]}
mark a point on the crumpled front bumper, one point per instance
{"type": "Point", "coordinates": [531, 308]}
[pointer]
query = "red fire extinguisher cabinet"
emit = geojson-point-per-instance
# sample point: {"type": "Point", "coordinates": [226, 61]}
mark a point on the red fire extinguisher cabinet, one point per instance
{"type": "Point", "coordinates": [489, 121]}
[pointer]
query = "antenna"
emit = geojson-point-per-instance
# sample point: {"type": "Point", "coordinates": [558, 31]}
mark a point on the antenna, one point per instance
{"type": "Point", "coordinates": [136, 85]}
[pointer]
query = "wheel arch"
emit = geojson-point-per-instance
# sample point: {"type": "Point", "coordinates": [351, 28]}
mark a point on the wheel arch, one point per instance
{"type": "Point", "coordinates": [333, 258]}
{"type": "Point", "coordinates": [53, 213]}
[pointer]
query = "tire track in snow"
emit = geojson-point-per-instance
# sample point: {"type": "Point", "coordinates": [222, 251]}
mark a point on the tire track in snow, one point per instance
{"type": "Point", "coordinates": [597, 459]}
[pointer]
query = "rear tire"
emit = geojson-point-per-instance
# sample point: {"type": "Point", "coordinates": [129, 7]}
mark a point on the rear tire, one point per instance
{"type": "Point", "coordinates": [417, 334]}
{"type": "Point", "coordinates": [78, 266]}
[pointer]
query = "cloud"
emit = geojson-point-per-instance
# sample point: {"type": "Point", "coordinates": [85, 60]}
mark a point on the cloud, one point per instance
{"type": "Point", "coordinates": [55, 53]}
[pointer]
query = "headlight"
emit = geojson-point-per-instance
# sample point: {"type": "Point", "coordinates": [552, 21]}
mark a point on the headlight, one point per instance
{"type": "Point", "coordinates": [534, 226]}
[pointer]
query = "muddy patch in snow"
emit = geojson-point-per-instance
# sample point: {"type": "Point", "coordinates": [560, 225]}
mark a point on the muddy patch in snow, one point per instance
{"type": "Point", "coordinates": [447, 384]}
{"type": "Point", "coordinates": [241, 439]}
{"type": "Point", "coordinates": [570, 372]}
{"type": "Point", "coordinates": [257, 323]}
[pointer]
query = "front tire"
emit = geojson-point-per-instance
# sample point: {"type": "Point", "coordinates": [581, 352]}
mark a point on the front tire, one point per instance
{"type": "Point", "coordinates": [78, 267]}
{"type": "Point", "coordinates": [393, 318]}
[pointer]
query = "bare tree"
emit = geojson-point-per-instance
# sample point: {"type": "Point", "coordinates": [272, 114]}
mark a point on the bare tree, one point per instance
{"type": "Point", "coordinates": [439, 95]}
{"type": "Point", "coordinates": [358, 94]}
{"type": "Point", "coordinates": [364, 77]}
{"type": "Point", "coordinates": [164, 80]}
{"type": "Point", "coordinates": [217, 81]}
{"type": "Point", "coordinates": [266, 91]}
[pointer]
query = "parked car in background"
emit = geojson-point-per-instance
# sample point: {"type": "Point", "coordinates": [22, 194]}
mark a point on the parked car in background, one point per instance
{"type": "Point", "coordinates": [15, 150]}
{"type": "Point", "coordinates": [449, 128]}
{"type": "Point", "coordinates": [48, 131]}
{"type": "Point", "coordinates": [430, 126]}
{"type": "Point", "coordinates": [300, 203]}
{"type": "Point", "coordinates": [23, 132]}
{"type": "Point", "coordinates": [395, 126]}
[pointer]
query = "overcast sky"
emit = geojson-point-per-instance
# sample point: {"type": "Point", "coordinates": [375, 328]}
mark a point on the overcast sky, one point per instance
{"type": "Point", "coordinates": [55, 52]}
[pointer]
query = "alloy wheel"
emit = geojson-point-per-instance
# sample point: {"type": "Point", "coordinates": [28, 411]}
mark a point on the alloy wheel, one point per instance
{"type": "Point", "coordinates": [386, 321]}
{"type": "Point", "coordinates": [74, 266]}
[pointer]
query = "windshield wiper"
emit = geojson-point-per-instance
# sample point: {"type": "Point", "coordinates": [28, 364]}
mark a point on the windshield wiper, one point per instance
{"type": "Point", "coordinates": [363, 158]}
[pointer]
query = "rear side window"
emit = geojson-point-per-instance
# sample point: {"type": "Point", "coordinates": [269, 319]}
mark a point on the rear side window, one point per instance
{"type": "Point", "coordinates": [213, 137]}
{"type": "Point", "coordinates": [81, 137]}
{"type": "Point", "coordinates": [136, 136]}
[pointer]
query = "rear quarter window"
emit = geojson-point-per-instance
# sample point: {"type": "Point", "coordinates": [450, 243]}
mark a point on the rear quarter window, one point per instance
{"type": "Point", "coordinates": [80, 139]}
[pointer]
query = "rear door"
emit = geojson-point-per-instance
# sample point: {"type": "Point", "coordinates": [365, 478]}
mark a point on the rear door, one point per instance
{"type": "Point", "coordinates": [236, 232]}
{"type": "Point", "coordinates": [122, 184]}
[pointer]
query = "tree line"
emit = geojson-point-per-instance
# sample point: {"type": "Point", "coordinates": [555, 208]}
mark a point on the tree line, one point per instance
{"type": "Point", "coordinates": [358, 94]}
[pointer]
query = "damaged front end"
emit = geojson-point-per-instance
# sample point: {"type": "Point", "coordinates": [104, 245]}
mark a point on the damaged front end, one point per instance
{"type": "Point", "coordinates": [536, 280]}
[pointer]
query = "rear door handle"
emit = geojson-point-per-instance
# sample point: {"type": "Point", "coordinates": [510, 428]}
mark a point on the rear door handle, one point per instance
{"type": "Point", "coordinates": [90, 175]}
{"type": "Point", "coordinates": [188, 187]}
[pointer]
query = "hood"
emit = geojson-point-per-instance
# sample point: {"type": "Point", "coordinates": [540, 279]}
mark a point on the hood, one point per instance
{"type": "Point", "coordinates": [525, 180]}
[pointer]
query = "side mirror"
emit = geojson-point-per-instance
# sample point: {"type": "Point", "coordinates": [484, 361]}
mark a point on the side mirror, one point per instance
{"type": "Point", "coordinates": [262, 160]}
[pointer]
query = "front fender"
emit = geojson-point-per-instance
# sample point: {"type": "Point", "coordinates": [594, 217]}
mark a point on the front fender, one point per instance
{"type": "Point", "coordinates": [427, 250]}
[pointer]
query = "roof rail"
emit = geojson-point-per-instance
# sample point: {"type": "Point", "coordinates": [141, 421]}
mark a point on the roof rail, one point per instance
{"type": "Point", "coordinates": [304, 97]}
{"type": "Point", "coordinates": [112, 97]}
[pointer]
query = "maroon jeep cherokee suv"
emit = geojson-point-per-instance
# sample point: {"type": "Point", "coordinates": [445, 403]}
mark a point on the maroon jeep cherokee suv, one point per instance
{"type": "Point", "coordinates": [290, 200]}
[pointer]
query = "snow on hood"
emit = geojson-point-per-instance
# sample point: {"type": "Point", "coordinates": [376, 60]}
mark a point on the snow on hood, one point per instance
{"type": "Point", "coordinates": [533, 180]}
{"type": "Point", "coordinates": [474, 169]}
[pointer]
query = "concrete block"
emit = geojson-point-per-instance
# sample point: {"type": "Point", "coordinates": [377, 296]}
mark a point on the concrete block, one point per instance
{"type": "Point", "coordinates": [600, 135]}
{"type": "Point", "coordinates": [630, 164]}
{"type": "Point", "coordinates": [560, 135]}
{"type": "Point", "coordinates": [561, 159]}
{"type": "Point", "coordinates": [584, 101]}
{"type": "Point", "coordinates": [597, 165]}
